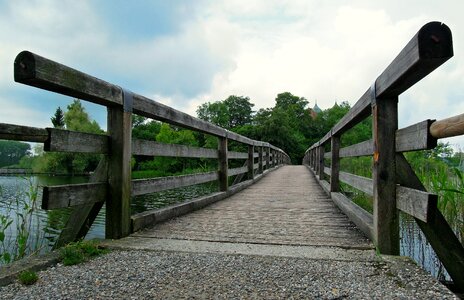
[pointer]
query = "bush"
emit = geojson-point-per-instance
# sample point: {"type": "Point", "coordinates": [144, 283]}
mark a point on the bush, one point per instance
{"type": "Point", "coordinates": [28, 277]}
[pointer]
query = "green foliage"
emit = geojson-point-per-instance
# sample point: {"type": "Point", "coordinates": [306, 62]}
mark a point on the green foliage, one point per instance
{"type": "Point", "coordinates": [58, 118]}
{"type": "Point", "coordinates": [230, 113]}
{"type": "Point", "coordinates": [11, 152]}
{"type": "Point", "coordinates": [78, 252]}
{"type": "Point", "coordinates": [28, 277]}
{"type": "Point", "coordinates": [20, 212]}
{"type": "Point", "coordinates": [77, 119]}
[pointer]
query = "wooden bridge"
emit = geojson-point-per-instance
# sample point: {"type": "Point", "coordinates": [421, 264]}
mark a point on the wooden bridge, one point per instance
{"type": "Point", "coordinates": [285, 206]}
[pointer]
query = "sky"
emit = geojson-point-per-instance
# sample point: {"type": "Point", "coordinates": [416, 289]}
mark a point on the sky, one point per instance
{"type": "Point", "coordinates": [185, 53]}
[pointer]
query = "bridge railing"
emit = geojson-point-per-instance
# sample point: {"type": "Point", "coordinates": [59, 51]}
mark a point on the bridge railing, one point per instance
{"type": "Point", "coordinates": [111, 182]}
{"type": "Point", "coordinates": [394, 185]}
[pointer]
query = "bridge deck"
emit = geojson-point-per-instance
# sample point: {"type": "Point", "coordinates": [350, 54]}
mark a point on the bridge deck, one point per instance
{"type": "Point", "coordinates": [279, 239]}
{"type": "Point", "coordinates": [286, 207]}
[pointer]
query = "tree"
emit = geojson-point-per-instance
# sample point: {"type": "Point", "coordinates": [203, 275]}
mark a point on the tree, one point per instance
{"type": "Point", "coordinates": [215, 112]}
{"type": "Point", "coordinates": [11, 152]}
{"type": "Point", "coordinates": [77, 119]}
{"type": "Point", "coordinates": [239, 110]}
{"type": "Point", "coordinates": [58, 118]}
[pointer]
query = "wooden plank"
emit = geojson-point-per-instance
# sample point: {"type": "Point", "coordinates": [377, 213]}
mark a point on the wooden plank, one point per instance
{"type": "Point", "coordinates": [62, 196]}
{"type": "Point", "coordinates": [82, 217]}
{"type": "Point", "coordinates": [148, 108]}
{"type": "Point", "coordinates": [237, 155]}
{"type": "Point", "coordinates": [240, 138]}
{"type": "Point", "coordinates": [22, 133]}
{"type": "Point", "coordinates": [327, 171]}
{"type": "Point", "coordinates": [361, 183]}
{"type": "Point", "coordinates": [361, 149]}
{"type": "Point", "coordinates": [152, 148]}
{"type": "Point", "coordinates": [386, 217]}
{"type": "Point", "coordinates": [418, 204]}
{"type": "Point", "coordinates": [449, 127]}
{"type": "Point", "coordinates": [223, 165]}
{"type": "Point", "coordinates": [260, 160]}
{"type": "Point", "coordinates": [119, 173]}
{"type": "Point", "coordinates": [356, 214]}
{"type": "Point", "coordinates": [437, 231]}
{"type": "Point", "coordinates": [77, 142]}
{"type": "Point", "coordinates": [425, 52]}
{"type": "Point", "coordinates": [34, 70]}
{"type": "Point", "coordinates": [328, 155]}
{"type": "Point", "coordinates": [415, 137]}
{"type": "Point", "coordinates": [153, 185]}
{"type": "Point", "coordinates": [236, 171]}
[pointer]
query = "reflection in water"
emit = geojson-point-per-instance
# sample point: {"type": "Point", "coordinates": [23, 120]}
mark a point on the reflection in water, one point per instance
{"type": "Point", "coordinates": [45, 226]}
{"type": "Point", "coordinates": [414, 244]}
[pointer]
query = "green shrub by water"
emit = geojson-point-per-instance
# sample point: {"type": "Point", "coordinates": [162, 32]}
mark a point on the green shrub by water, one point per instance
{"type": "Point", "coordinates": [78, 252]}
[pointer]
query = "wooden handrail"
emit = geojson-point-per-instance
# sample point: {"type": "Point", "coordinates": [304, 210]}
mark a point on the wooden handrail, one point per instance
{"type": "Point", "coordinates": [394, 185]}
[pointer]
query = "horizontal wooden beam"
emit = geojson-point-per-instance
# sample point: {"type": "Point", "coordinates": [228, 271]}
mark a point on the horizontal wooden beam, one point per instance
{"type": "Point", "coordinates": [237, 155]}
{"type": "Point", "coordinates": [236, 171]}
{"type": "Point", "coordinates": [22, 133]}
{"type": "Point", "coordinates": [416, 203]}
{"type": "Point", "coordinates": [360, 110]}
{"type": "Point", "coordinates": [427, 50]}
{"type": "Point", "coordinates": [365, 148]}
{"type": "Point", "coordinates": [328, 155]}
{"type": "Point", "coordinates": [363, 220]}
{"type": "Point", "coordinates": [35, 70]}
{"type": "Point", "coordinates": [361, 183]}
{"type": "Point", "coordinates": [152, 148]}
{"type": "Point", "coordinates": [415, 137]}
{"type": "Point", "coordinates": [327, 171]}
{"type": "Point", "coordinates": [78, 142]}
{"type": "Point", "coordinates": [153, 185]}
{"type": "Point", "coordinates": [62, 196]}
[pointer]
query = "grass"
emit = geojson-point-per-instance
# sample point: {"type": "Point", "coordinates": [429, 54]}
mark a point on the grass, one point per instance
{"type": "Point", "coordinates": [78, 252]}
{"type": "Point", "coordinates": [28, 277]}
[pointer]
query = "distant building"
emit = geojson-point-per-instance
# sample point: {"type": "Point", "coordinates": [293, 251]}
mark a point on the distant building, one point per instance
{"type": "Point", "coordinates": [315, 111]}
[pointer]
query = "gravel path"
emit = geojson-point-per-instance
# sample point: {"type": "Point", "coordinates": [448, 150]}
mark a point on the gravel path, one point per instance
{"type": "Point", "coordinates": [187, 275]}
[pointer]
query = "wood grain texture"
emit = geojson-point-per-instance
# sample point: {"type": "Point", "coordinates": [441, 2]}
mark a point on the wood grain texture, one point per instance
{"type": "Point", "coordinates": [147, 186]}
{"type": "Point", "coordinates": [223, 165]}
{"type": "Point", "coordinates": [62, 196]}
{"type": "Point", "coordinates": [418, 204]}
{"type": "Point", "coordinates": [76, 142]}
{"type": "Point", "coordinates": [22, 133]}
{"type": "Point", "coordinates": [361, 183]}
{"type": "Point", "coordinates": [449, 127]}
{"type": "Point", "coordinates": [152, 148]}
{"type": "Point", "coordinates": [415, 137]}
{"type": "Point", "coordinates": [365, 148]}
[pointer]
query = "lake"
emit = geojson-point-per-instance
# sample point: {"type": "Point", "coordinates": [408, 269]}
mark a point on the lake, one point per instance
{"type": "Point", "coordinates": [45, 226]}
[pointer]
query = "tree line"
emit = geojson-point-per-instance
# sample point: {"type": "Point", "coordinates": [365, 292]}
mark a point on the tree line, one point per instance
{"type": "Point", "coordinates": [291, 125]}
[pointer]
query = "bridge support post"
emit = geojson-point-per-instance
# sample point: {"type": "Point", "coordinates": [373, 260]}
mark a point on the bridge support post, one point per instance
{"type": "Point", "coordinates": [260, 159]}
{"type": "Point", "coordinates": [119, 173]}
{"type": "Point", "coordinates": [320, 151]}
{"type": "Point", "coordinates": [251, 162]}
{"type": "Point", "coordinates": [268, 158]}
{"type": "Point", "coordinates": [335, 164]}
{"type": "Point", "coordinates": [386, 220]}
{"type": "Point", "coordinates": [223, 164]}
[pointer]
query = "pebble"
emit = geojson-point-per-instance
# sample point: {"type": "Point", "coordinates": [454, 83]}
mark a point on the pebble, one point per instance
{"type": "Point", "coordinates": [188, 275]}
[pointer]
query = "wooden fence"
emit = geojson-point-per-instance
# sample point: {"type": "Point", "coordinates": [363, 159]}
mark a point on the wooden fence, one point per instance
{"type": "Point", "coordinates": [111, 182]}
{"type": "Point", "coordinates": [394, 185]}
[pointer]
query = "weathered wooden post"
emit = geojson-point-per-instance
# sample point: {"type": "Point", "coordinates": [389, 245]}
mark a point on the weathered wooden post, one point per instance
{"type": "Point", "coordinates": [268, 157]}
{"type": "Point", "coordinates": [384, 126]}
{"type": "Point", "coordinates": [335, 166]}
{"type": "Point", "coordinates": [119, 169]}
{"type": "Point", "coordinates": [321, 161]}
{"type": "Point", "coordinates": [223, 163]}
{"type": "Point", "coordinates": [251, 162]}
{"type": "Point", "coordinates": [260, 159]}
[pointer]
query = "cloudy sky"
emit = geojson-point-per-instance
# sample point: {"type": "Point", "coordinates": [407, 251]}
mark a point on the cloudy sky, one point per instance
{"type": "Point", "coordinates": [184, 53]}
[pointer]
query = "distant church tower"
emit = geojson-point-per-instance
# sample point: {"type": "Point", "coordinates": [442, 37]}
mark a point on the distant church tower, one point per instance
{"type": "Point", "coordinates": [315, 111]}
